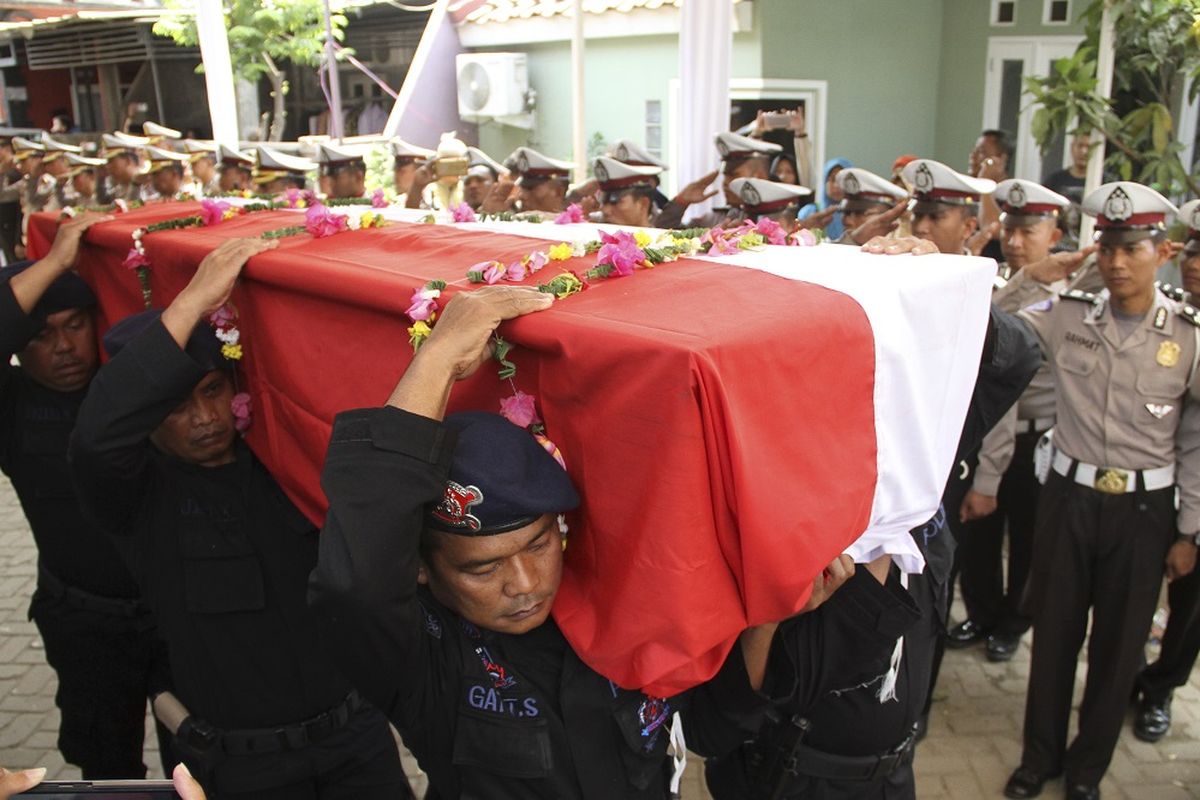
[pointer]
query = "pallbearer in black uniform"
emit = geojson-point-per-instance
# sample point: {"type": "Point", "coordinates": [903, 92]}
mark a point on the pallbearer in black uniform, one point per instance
{"type": "Point", "coordinates": [1181, 640]}
{"type": "Point", "coordinates": [1126, 438]}
{"type": "Point", "coordinates": [99, 637]}
{"type": "Point", "coordinates": [1004, 491]}
{"type": "Point", "coordinates": [440, 561]}
{"type": "Point", "coordinates": [223, 558]}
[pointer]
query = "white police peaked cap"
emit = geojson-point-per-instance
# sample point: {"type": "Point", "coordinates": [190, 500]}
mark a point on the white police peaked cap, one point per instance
{"type": "Point", "coordinates": [24, 147]}
{"type": "Point", "coordinates": [733, 146]}
{"type": "Point", "coordinates": [328, 153]}
{"type": "Point", "coordinates": [120, 139]}
{"type": "Point", "coordinates": [1126, 211]}
{"type": "Point", "coordinates": [864, 189]}
{"type": "Point", "coordinates": [52, 145]}
{"type": "Point", "coordinates": [934, 182]}
{"type": "Point", "coordinates": [77, 160]}
{"type": "Point", "coordinates": [154, 130]}
{"type": "Point", "coordinates": [160, 158]}
{"type": "Point", "coordinates": [228, 157]}
{"type": "Point", "coordinates": [527, 161]}
{"type": "Point", "coordinates": [480, 163]}
{"type": "Point", "coordinates": [401, 149]}
{"type": "Point", "coordinates": [1019, 198]}
{"type": "Point", "coordinates": [272, 164]}
{"type": "Point", "coordinates": [633, 153]}
{"type": "Point", "coordinates": [614, 175]}
{"type": "Point", "coordinates": [762, 196]}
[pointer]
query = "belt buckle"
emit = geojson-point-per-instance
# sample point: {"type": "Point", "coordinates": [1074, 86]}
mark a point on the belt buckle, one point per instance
{"type": "Point", "coordinates": [1112, 481]}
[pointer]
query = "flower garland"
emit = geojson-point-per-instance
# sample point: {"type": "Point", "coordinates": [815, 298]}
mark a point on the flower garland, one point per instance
{"type": "Point", "coordinates": [115, 207]}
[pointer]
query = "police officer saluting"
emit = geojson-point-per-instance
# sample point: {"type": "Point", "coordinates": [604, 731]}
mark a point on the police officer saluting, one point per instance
{"type": "Point", "coordinates": [1005, 491]}
{"type": "Point", "coordinates": [440, 561]}
{"type": "Point", "coordinates": [99, 638]}
{"type": "Point", "coordinates": [1181, 640]}
{"type": "Point", "coordinates": [741, 157]}
{"type": "Point", "coordinates": [767, 199]}
{"type": "Point", "coordinates": [223, 560]}
{"type": "Point", "coordinates": [1126, 436]}
{"type": "Point", "coordinates": [871, 205]}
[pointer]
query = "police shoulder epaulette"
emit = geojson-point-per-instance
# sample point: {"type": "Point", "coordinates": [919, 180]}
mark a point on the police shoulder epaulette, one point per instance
{"type": "Point", "coordinates": [1191, 314]}
{"type": "Point", "coordinates": [1076, 294]}
{"type": "Point", "coordinates": [1173, 292]}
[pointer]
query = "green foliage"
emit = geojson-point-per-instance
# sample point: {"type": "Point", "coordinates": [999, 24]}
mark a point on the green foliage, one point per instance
{"type": "Point", "coordinates": [1157, 63]}
{"type": "Point", "coordinates": [282, 30]}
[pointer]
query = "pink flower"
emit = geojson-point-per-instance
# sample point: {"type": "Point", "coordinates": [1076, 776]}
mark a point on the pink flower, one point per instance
{"type": "Point", "coordinates": [535, 261]}
{"type": "Point", "coordinates": [212, 212]}
{"type": "Point", "coordinates": [574, 213]}
{"type": "Point", "coordinates": [241, 405]}
{"type": "Point", "coordinates": [516, 271]}
{"type": "Point", "coordinates": [494, 272]}
{"type": "Point", "coordinates": [322, 222]}
{"type": "Point", "coordinates": [135, 260]}
{"type": "Point", "coordinates": [463, 213]}
{"type": "Point", "coordinates": [771, 230]}
{"type": "Point", "coordinates": [804, 238]}
{"type": "Point", "coordinates": [519, 410]}
{"type": "Point", "coordinates": [378, 200]}
{"type": "Point", "coordinates": [620, 251]}
{"type": "Point", "coordinates": [223, 317]}
{"type": "Point", "coordinates": [423, 305]}
{"type": "Point", "coordinates": [721, 242]}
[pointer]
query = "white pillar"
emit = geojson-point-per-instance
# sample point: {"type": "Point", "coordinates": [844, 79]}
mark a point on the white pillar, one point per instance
{"type": "Point", "coordinates": [705, 51]}
{"type": "Point", "coordinates": [218, 71]}
{"type": "Point", "coordinates": [1104, 79]}
{"type": "Point", "coordinates": [578, 133]}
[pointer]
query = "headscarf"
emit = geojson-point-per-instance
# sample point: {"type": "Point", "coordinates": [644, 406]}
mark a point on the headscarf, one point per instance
{"type": "Point", "coordinates": [835, 228]}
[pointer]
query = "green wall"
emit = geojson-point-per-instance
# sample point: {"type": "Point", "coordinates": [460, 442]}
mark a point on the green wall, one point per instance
{"type": "Point", "coordinates": [880, 58]}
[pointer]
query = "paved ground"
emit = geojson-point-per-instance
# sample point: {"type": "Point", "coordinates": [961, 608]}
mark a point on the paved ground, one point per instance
{"type": "Point", "coordinates": [973, 744]}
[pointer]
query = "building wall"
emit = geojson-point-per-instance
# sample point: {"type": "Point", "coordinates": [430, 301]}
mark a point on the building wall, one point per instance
{"type": "Point", "coordinates": [965, 34]}
{"type": "Point", "coordinates": [881, 61]}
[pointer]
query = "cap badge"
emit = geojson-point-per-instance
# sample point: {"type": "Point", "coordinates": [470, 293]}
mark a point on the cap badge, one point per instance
{"type": "Point", "coordinates": [1118, 207]}
{"type": "Point", "coordinates": [851, 184]}
{"type": "Point", "coordinates": [722, 148]}
{"type": "Point", "coordinates": [456, 505]}
{"type": "Point", "coordinates": [601, 173]}
{"type": "Point", "coordinates": [522, 163]}
{"type": "Point", "coordinates": [622, 153]}
{"type": "Point", "coordinates": [1016, 196]}
{"type": "Point", "coordinates": [923, 180]}
{"type": "Point", "coordinates": [750, 195]}
{"type": "Point", "coordinates": [1168, 354]}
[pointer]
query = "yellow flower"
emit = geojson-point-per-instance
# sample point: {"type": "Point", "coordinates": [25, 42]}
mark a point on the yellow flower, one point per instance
{"type": "Point", "coordinates": [565, 285]}
{"type": "Point", "coordinates": [233, 352]}
{"type": "Point", "coordinates": [417, 334]}
{"type": "Point", "coordinates": [561, 252]}
{"type": "Point", "coordinates": [642, 238]}
{"type": "Point", "coordinates": [229, 213]}
{"type": "Point", "coordinates": [301, 203]}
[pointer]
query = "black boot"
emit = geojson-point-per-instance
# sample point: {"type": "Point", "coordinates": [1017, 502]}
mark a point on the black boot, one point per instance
{"type": "Point", "coordinates": [1153, 719]}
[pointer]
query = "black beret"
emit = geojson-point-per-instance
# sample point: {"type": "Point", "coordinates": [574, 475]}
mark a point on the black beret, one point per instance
{"type": "Point", "coordinates": [203, 345]}
{"type": "Point", "coordinates": [66, 292]}
{"type": "Point", "coordinates": [500, 479]}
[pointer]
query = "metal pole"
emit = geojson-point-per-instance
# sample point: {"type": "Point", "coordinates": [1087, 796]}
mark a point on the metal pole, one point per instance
{"type": "Point", "coordinates": [218, 71]}
{"type": "Point", "coordinates": [335, 82]}
{"type": "Point", "coordinates": [1104, 80]}
{"type": "Point", "coordinates": [578, 134]}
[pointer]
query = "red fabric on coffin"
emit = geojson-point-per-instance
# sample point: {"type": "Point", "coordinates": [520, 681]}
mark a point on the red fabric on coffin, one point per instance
{"type": "Point", "coordinates": [718, 421]}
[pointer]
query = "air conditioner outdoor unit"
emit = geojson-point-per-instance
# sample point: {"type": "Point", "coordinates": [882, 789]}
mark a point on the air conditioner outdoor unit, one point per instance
{"type": "Point", "coordinates": [491, 85]}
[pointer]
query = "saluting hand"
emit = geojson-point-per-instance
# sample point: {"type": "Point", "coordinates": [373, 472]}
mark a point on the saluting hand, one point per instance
{"type": "Point", "coordinates": [696, 191]}
{"type": "Point", "coordinates": [981, 238]}
{"type": "Point", "coordinates": [817, 220]}
{"type": "Point", "coordinates": [1058, 266]}
{"type": "Point", "coordinates": [880, 224]}
{"type": "Point", "coordinates": [501, 197]}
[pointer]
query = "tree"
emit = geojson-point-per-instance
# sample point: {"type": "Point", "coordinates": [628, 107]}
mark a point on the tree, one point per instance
{"type": "Point", "coordinates": [261, 34]}
{"type": "Point", "coordinates": [1157, 63]}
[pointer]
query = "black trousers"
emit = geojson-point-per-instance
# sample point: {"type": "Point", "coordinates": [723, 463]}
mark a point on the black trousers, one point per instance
{"type": "Point", "coordinates": [107, 666]}
{"type": "Point", "coordinates": [1180, 644]}
{"type": "Point", "coordinates": [1105, 554]}
{"type": "Point", "coordinates": [359, 761]}
{"type": "Point", "coordinates": [982, 543]}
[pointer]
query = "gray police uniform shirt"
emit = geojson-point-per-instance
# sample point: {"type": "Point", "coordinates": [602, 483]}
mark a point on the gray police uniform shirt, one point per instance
{"type": "Point", "coordinates": [1014, 291]}
{"type": "Point", "coordinates": [1126, 403]}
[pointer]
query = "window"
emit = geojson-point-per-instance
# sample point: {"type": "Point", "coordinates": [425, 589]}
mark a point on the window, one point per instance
{"type": "Point", "coordinates": [1056, 12]}
{"type": "Point", "coordinates": [1004, 12]}
{"type": "Point", "coordinates": [654, 127]}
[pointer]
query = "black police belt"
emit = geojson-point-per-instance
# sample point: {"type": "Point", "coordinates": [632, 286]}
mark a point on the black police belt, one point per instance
{"type": "Point", "coordinates": [257, 741]}
{"type": "Point", "coordinates": [811, 763]}
{"type": "Point", "coordinates": [130, 608]}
